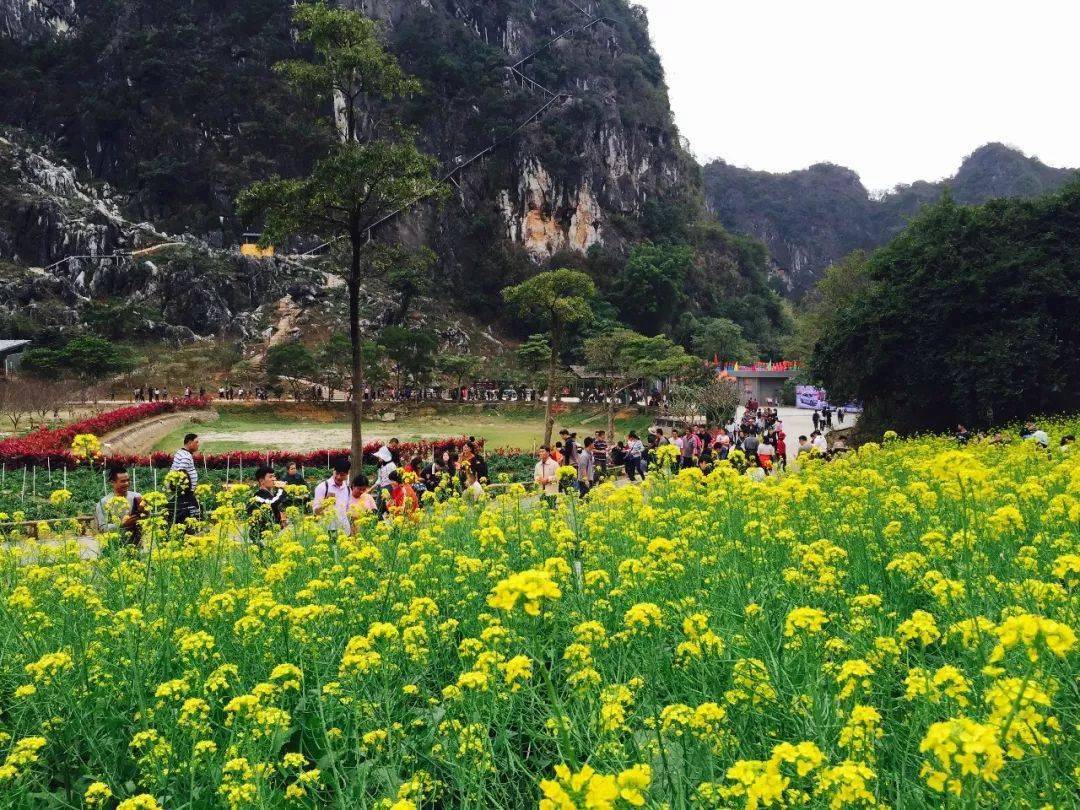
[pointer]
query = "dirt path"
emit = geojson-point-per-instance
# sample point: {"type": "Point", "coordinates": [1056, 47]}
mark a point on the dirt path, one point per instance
{"type": "Point", "coordinates": [142, 436]}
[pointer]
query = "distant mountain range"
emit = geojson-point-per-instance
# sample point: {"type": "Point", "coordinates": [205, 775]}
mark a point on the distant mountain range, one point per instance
{"type": "Point", "coordinates": [813, 217]}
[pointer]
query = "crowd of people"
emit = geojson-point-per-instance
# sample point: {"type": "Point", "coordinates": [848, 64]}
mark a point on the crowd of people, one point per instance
{"type": "Point", "coordinates": [146, 393]}
{"type": "Point", "coordinates": [478, 392]}
{"type": "Point", "coordinates": [400, 483]}
{"type": "Point", "coordinates": [756, 444]}
{"type": "Point", "coordinates": [226, 393]}
{"type": "Point", "coordinates": [1029, 432]}
{"type": "Point", "coordinates": [823, 417]}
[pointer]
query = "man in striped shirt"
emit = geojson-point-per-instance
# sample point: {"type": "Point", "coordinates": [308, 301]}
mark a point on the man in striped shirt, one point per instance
{"type": "Point", "coordinates": [186, 505]}
{"type": "Point", "coordinates": [184, 459]}
{"type": "Point", "coordinates": [600, 455]}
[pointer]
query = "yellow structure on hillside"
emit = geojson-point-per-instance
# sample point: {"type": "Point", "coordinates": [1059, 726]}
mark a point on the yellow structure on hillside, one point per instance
{"type": "Point", "coordinates": [251, 247]}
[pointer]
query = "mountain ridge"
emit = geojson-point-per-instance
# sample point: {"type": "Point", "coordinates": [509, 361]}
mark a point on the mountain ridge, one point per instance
{"type": "Point", "coordinates": [812, 217]}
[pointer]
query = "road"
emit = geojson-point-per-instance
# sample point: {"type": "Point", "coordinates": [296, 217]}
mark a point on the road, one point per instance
{"type": "Point", "coordinates": [800, 422]}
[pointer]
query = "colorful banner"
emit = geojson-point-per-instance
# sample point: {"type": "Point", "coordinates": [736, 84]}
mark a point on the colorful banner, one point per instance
{"type": "Point", "coordinates": [813, 398]}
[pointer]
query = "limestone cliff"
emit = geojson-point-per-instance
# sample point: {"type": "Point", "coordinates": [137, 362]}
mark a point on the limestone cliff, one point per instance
{"type": "Point", "coordinates": [177, 108]}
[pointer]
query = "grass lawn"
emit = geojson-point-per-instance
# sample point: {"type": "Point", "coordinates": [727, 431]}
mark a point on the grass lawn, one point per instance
{"type": "Point", "coordinates": [286, 428]}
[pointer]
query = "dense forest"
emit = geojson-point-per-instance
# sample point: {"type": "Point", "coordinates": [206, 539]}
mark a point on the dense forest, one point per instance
{"type": "Point", "coordinates": [968, 316]}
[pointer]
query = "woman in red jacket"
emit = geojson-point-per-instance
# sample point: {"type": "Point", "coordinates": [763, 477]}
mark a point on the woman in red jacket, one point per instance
{"type": "Point", "coordinates": [781, 450]}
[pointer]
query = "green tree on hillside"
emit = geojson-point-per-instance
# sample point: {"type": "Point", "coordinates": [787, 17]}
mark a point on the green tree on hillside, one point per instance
{"type": "Point", "coordinates": [292, 363]}
{"type": "Point", "coordinates": [721, 338]}
{"type": "Point", "coordinates": [374, 172]}
{"type": "Point", "coordinates": [456, 367]}
{"type": "Point", "coordinates": [411, 352]}
{"type": "Point", "coordinates": [532, 358]}
{"type": "Point", "coordinates": [560, 298]}
{"type": "Point", "coordinates": [649, 290]}
{"type": "Point", "coordinates": [87, 358]}
{"type": "Point", "coordinates": [333, 363]}
{"type": "Point", "coordinates": [621, 357]}
{"type": "Point", "coordinates": [408, 275]}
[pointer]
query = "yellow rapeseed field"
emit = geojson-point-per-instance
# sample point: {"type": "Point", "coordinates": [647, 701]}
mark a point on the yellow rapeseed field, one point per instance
{"type": "Point", "coordinates": [893, 628]}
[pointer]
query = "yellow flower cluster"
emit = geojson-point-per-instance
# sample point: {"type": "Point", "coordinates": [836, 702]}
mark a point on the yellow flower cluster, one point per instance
{"type": "Point", "coordinates": [961, 749]}
{"type": "Point", "coordinates": [588, 789]}
{"type": "Point", "coordinates": [530, 588]}
{"type": "Point", "coordinates": [85, 446]}
{"type": "Point", "coordinates": [895, 626]}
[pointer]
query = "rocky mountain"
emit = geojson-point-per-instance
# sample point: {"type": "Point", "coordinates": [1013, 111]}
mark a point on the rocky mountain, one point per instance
{"type": "Point", "coordinates": [166, 111]}
{"type": "Point", "coordinates": [810, 218]}
{"type": "Point", "coordinates": [176, 287]}
{"type": "Point", "coordinates": [162, 112]}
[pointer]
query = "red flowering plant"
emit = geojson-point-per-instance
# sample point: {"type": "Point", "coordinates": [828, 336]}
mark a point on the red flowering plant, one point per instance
{"type": "Point", "coordinates": [312, 458]}
{"type": "Point", "coordinates": [52, 446]}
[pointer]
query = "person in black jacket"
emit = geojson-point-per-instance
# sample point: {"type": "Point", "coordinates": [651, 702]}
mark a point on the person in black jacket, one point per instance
{"type": "Point", "coordinates": [266, 507]}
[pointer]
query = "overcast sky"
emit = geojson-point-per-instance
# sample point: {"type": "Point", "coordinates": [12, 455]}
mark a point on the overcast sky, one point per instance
{"type": "Point", "coordinates": [897, 91]}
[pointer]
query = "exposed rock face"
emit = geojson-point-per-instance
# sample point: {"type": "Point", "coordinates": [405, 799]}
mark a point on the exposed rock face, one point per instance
{"type": "Point", "coordinates": [811, 218]}
{"type": "Point", "coordinates": [600, 151]}
{"type": "Point", "coordinates": [30, 20]}
{"type": "Point", "coordinates": [76, 247]}
{"type": "Point", "coordinates": [47, 214]}
{"type": "Point", "coordinates": [549, 219]}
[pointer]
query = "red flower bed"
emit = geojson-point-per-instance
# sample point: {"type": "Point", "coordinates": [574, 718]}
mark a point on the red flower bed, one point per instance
{"type": "Point", "coordinates": [314, 458]}
{"type": "Point", "coordinates": [50, 446]}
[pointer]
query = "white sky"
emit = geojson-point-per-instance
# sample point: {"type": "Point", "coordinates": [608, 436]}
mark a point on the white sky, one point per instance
{"type": "Point", "coordinates": [897, 91]}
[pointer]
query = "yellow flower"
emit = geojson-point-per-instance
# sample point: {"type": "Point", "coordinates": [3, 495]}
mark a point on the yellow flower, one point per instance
{"type": "Point", "coordinates": [59, 497]}
{"type": "Point", "coordinates": [85, 446]}
{"type": "Point", "coordinates": [854, 674]}
{"type": "Point", "coordinates": [633, 784]}
{"type": "Point", "coordinates": [920, 627]}
{"type": "Point", "coordinates": [846, 785]}
{"type": "Point", "coordinates": [476, 681]}
{"type": "Point", "coordinates": [144, 801]}
{"type": "Point", "coordinates": [586, 787]}
{"type": "Point", "coordinates": [529, 588]}
{"type": "Point", "coordinates": [643, 616]}
{"type": "Point", "coordinates": [860, 733]}
{"type": "Point", "coordinates": [1033, 633]}
{"type": "Point", "coordinates": [288, 676]}
{"type": "Point", "coordinates": [1006, 519]}
{"type": "Point", "coordinates": [97, 794]}
{"type": "Point", "coordinates": [49, 667]}
{"type": "Point", "coordinates": [516, 670]}
{"type": "Point", "coordinates": [959, 749]}
{"type": "Point", "coordinates": [809, 619]}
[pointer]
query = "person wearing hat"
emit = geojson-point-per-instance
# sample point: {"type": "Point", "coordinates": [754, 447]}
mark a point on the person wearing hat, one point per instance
{"type": "Point", "coordinates": [387, 465]}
